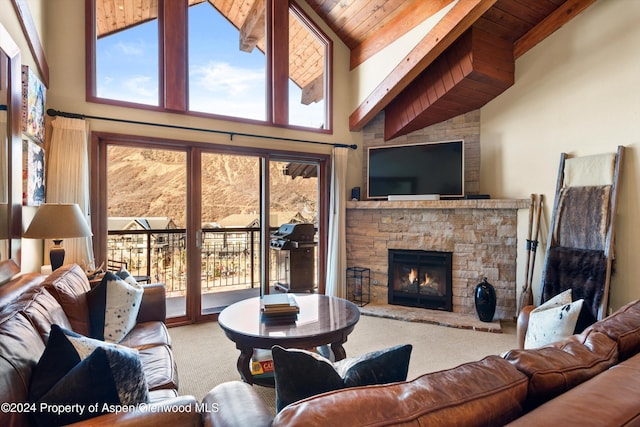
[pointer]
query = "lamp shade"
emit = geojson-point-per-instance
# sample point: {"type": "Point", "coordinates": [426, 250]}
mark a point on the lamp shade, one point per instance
{"type": "Point", "coordinates": [58, 221]}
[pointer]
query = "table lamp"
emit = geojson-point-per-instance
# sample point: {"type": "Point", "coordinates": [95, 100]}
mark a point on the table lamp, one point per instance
{"type": "Point", "coordinates": [57, 221]}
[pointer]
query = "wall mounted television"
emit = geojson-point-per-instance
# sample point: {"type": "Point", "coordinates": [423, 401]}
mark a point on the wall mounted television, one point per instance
{"type": "Point", "coordinates": [433, 168]}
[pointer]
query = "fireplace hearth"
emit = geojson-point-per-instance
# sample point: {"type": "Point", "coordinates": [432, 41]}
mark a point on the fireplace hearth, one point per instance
{"type": "Point", "coordinates": [420, 278]}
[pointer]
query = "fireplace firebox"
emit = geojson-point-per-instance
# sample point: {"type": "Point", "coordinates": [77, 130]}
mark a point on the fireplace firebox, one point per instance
{"type": "Point", "coordinates": [420, 279]}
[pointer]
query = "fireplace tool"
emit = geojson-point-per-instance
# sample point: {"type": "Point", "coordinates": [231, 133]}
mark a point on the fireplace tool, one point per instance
{"type": "Point", "coordinates": [532, 245]}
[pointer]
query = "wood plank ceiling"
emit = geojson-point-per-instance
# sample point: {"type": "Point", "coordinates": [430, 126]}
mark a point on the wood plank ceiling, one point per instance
{"type": "Point", "coordinates": [465, 61]}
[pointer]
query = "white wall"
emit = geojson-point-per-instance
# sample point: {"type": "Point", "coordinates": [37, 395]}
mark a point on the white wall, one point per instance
{"type": "Point", "coordinates": [577, 92]}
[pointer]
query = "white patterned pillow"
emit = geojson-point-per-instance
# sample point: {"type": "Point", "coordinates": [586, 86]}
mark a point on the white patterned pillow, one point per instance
{"type": "Point", "coordinates": [113, 308]}
{"type": "Point", "coordinates": [553, 321]}
{"type": "Point", "coordinates": [126, 276]}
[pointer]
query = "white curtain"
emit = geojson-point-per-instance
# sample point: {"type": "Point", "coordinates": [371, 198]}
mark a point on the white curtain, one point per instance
{"type": "Point", "coordinates": [336, 250]}
{"type": "Point", "coordinates": [68, 181]}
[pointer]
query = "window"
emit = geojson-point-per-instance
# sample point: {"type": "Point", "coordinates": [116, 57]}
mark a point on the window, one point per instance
{"type": "Point", "coordinates": [211, 58]}
{"type": "Point", "coordinates": [307, 76]}
{"type": "Point", "coordinates": [127, 58]}
{"type": "Point", "coordinates": [225, 79]}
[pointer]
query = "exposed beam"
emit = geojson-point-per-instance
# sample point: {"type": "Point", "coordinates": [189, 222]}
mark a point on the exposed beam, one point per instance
{"type": "Point", "coordinates": [442, 35]}
{"type": "Point", "coordinates": [253, 28]}
{"type": "Point", "coordinates": [563, 14]}
{"type": "Point", "coordinates": [314, 91]}
{"type": "Point", "coordinates": [474, 70]}
{"type": "Point", "coordinates": [400, 25]}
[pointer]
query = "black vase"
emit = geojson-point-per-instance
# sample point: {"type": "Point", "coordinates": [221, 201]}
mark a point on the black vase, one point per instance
{"type": "Point", "coordinates": [485, 298]}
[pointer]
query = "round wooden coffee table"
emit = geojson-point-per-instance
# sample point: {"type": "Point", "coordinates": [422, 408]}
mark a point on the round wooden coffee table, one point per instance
{"type": "Point", "coordinates": [322, 320]}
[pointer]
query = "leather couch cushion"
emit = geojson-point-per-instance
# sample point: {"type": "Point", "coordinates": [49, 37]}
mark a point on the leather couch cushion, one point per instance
{"type": "Point", "coordinates": [489, 392]}
{"type": "Point", "coordinates": [610, 398]}
{"type": "Point", "coordinates": [44, 311]}
{"type": "Point", "coordinates": [20, 348]}
{"type": "Point", "coordinates": [238, 404]}
{"type": "Point", "coordinates": [623, 326]}
{"type": "Point", "coordinates": [18, 286]}
{"type": "Point", "coordinates": [147, 334]}
{"type": "Point", "coordinates": [69, 285]}
{"type": "Point", "coordinates": [159, 367]}
{"type": "Point", "coordinates": [556, 368]}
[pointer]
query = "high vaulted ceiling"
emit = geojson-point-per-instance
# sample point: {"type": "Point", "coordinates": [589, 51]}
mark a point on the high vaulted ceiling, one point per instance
{"type": "Point", "coordinates": [463, 62]}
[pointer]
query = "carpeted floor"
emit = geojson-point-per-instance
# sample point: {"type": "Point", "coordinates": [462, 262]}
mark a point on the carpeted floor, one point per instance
{"type": "Point", "coordinates": [206, 357]}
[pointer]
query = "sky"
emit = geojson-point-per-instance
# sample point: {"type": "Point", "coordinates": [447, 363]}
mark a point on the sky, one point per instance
{"type": "Point", "coordinates": [222, 79]}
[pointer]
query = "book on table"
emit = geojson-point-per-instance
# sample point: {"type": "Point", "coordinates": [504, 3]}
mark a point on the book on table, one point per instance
{"type": "Point", "coordinates": [276, 305]}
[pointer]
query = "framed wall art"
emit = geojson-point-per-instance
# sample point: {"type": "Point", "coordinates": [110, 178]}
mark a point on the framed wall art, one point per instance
{"type": "Point", "coordinates": [33, 103]}
{"type": "Point", "coordinates": [33, 193]}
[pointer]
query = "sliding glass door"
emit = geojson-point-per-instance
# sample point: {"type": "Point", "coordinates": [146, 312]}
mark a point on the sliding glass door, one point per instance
{"type": "Point", "coordinates": [147, 218]}
{"type": "Point", "coordinates": [192, 217]}
{"type": "Point", "coordinates": [229, 238]}
{"type": "Point", "coordinates": [294, 198]}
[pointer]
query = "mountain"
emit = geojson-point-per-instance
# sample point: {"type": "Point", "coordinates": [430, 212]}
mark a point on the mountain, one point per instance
{"type": "Point", "coordinates": [146, 182]}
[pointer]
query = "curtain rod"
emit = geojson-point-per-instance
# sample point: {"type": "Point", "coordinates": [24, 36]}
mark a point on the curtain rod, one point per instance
{"type": "Point", "coordinates": [54, 113]}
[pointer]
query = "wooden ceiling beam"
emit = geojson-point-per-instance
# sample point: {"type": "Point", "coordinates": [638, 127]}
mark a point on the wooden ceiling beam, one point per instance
{"type": "Point", "coordinates": [442, 35]}
{"type": "Point", "coordinates": [563, 14]}
{"type": "Point", "coordinates": [390, 32]}
{"type": "Point", "coordinates": [314, 91]}
{"type": "Point", "coordinates": [253, 27]}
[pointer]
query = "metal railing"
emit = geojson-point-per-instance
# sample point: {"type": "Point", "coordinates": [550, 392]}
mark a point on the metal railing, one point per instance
{"type": "Point", "coordinates": [230, 257]}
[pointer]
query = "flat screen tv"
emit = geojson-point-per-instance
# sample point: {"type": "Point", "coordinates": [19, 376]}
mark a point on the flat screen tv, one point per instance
{"type": "Point", "coordinates": [435, 168]}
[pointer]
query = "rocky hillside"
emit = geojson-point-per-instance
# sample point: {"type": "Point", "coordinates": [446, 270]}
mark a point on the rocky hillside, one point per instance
{"type": "Point", "coordinates": [150, 182]}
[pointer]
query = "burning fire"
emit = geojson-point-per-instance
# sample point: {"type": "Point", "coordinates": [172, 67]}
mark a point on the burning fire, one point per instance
{"type": "Point", "coordinates": [413, 276]}
{"type": "Point", "coordinates": [427, 282]}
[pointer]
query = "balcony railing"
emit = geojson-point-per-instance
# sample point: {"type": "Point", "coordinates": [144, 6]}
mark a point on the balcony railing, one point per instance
{"type": "Point", "coordinates": [230, 257]}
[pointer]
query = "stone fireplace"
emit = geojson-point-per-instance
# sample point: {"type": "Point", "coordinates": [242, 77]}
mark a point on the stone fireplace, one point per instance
{"type": "Point", "coordinates": [481, 236]}
{"type": "Point", "coordinates": [420, 279]}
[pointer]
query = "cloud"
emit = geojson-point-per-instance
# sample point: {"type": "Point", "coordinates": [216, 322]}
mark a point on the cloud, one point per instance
{"type": "Point", "coordinates": [137, 88]}
{"type": "Point", "coordinates": [221, 88]}
{"type": "Point", "coordinates": [221, 77]}
{"type": "Point", "coordinates": [144, 86]}
{"type": "Point", "coordinates": [132, 48]}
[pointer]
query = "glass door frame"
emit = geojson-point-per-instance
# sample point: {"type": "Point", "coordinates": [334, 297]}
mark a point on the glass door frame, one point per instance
{"type": "Point", "coordinates": [101, 140]}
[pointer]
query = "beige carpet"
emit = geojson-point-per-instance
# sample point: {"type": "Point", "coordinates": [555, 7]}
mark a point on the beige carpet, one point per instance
{"type": "Point", "coordinates": [206, 357]}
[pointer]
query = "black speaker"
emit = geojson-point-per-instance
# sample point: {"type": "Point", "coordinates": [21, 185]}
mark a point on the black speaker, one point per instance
{"type": "Point", "coordinates": [355, 193]}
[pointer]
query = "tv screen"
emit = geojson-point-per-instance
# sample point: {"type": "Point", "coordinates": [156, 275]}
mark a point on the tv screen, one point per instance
{"type": "Point", "coordinates": [417, 169]}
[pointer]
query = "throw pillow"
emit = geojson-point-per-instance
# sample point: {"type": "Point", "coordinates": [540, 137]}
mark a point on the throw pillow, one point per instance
{"type": "Point", "coordinates": [113, 308]}
{"type": "Point", "coordinates": [126, 276]}
{"type": "Point", "coordinates": [105, 380]}
{"type": "Point", "coordinates": [64, 350]}
{"type": "Point", "coordinates": [300, 374]}
{"type": "Point", "coordinates": [90, 376]}
{"type": "Point", "coordinates": [553, 321]}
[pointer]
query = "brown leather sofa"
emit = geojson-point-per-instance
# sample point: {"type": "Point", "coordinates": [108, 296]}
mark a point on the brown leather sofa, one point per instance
{"type": "Point", "coordinates": [31, 303]}
{"type": "Point", "coordinates": [588, 379]}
